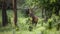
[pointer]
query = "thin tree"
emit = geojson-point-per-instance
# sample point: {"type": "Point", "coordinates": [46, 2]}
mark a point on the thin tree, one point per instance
{"type": "Point", "coordinates": [15, 11]}
{"type": "Point", "coordinates": [4, 14]}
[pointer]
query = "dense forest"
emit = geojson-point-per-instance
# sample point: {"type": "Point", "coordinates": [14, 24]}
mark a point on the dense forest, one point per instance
{"type": "Point", "coordinates": [29, 16]}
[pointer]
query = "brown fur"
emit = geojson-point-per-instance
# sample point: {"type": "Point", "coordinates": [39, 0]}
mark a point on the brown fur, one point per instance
{"type": "Point", "coordinates": [34, 18]}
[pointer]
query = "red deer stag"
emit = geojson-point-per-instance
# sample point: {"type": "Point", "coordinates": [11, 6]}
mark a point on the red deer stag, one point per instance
{"type": "Point", "coordinates": [34, 18]}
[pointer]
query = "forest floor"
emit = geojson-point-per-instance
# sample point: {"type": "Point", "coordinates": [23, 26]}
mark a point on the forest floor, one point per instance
{"type": "Point", "coordinates": [23, 28]}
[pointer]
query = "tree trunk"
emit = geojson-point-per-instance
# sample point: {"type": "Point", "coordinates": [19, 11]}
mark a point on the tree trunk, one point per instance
{"type": "Point", "coordinates": [4, 14]}
{"type": "Point", "coordinates": [50, 25]}
{"type": "Point", "coordinates": [58, 26]}
{"type": "Point", "coordinates": [45, 16]}
{"type": "Point", "coordinates": [15, 11]}
{"type": "Point", "coordinates": [42, 13]}
{"type": "Point", "coordinates": [57, 11]}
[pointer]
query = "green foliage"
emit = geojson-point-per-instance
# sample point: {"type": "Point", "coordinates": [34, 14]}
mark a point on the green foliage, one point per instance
{"type": "Point", "coordinates": [51, 1]}
{"type": "Point", "coordinates": [24, 28]}
{"type": "Point", "coordinates": [32, 3]}
{"type": "Point", "coordinates": [53, 21]}
{"type": "Point", "coordinates": [24, 23]}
